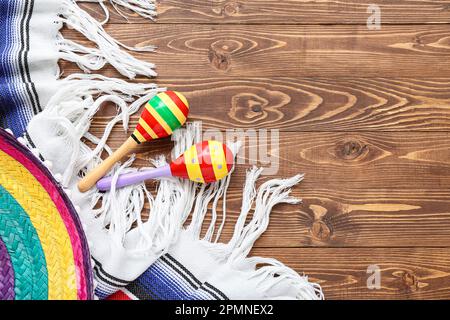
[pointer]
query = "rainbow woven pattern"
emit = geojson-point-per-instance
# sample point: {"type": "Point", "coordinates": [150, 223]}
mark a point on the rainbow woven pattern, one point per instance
{"type": "Point", "coordinates": [164, 113]}
{"type": "Point", "coordinates": [43, 250]}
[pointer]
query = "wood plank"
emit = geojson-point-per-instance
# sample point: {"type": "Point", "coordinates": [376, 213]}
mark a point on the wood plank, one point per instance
{"type": "Point", "coordinates": [350, 218]}
{"type": "Point", "coordinates": [199, 51]}
{"type": "Point", "coordinates": [365, 189]}
{"type": "Point", "coordinates": [349, 103]}
{"type": "Point", "coordinates": [413, 161]}
{"type": "Point", "coordinates": [326, 104]}
{"type": "Point", "coordinates": [315, 104]}
{"type": "Point", "coordinates": [288, 12]}
{"type": "Point", "coordinates": [416, 273]}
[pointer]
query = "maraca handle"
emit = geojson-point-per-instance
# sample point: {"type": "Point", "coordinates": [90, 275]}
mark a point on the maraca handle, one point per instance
{"type": "Point", "coordinates": [89, 180]}
{"type": "Point", "coordinates": [135, 177]}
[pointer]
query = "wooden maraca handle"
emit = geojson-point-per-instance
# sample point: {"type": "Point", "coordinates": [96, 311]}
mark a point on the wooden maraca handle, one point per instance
{"type": "Point", "coordinates": [91, 179]}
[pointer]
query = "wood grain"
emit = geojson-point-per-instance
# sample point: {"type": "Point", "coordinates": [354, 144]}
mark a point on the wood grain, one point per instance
{"type": "Point", "coordinates": [339, 160]}
{"type": "Point", "coordinates": [416, 273]}
{"type": "Point", "coordinates": [321, 104]}
{"type": "Point", "coordinates": [364, 113]}
{"type": "Point", "coordinates": [288, 12]}
{"type": "Point", "coordinates": [313, 104]}
{"type": "Point", "coordinates": [198, 51]}
{"type": "Point", "coordinates": [336, 218]}
{"type": "Point", "coordinates": [360, 189]}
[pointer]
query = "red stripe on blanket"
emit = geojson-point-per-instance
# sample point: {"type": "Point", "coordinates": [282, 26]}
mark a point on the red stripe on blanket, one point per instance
{"type": "Point", "coordinates": [119, 295]}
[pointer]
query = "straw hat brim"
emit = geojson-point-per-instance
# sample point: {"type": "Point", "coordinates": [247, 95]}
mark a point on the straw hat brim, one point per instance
{"type": "Point", "coordinates": [43, 250]}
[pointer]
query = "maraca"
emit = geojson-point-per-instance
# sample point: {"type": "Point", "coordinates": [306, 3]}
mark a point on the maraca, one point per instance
{"type": "Point", "coordinates": [164, 113]}
{"type": "Point", "coordinates": [205, 162]}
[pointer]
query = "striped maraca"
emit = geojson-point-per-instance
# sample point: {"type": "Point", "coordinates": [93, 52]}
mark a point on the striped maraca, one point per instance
{"type": "Point", "coordinates": [164, 113]}
{"type": "Point", "coordinates": [205, 162]}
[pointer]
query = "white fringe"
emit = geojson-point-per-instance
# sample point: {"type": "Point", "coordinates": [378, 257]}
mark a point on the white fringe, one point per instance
{"type": "Point", "coordinates": [107, 48]}
{"type": "Point", "coordinates": [144, 8]}
{"type": "Point", "coordinates": [61, 134]}
{"type": "Point", "coordinates": [173, 201]}
{"type": "Point", "coordinates": [67, 119]}
{"type": "Point", "coordinates": [69, 113]}
{"type": "Point", "coordinates": [273, 274]}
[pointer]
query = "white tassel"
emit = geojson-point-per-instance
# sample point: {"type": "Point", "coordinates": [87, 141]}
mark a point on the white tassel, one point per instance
{"type": "Point", "coordinates": [274, 280]}
{"type": "Point", "coordinates": [69, 113]}
{"type": "Point", "coordinates": [248, 197]}
{"type": "Point", "coordinates": [270, 193]}
{"type": "Point", "coordinates": [173, 201]}
{"type": "Point", "coordinates": [144, 8]}
{"type": "Point", "coordinates": [122, 207]}
{"type": "Point", "coordinates": [222, 188]}
{"type": "Point", "coordinates": [108, 49]}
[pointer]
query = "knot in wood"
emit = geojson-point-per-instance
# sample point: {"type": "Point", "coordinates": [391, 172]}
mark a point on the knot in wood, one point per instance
{"type": "Point", "coordinates": [220, 53]}
{"type": "Point", "coordinates": [219, 59]}
{"type": "Point", "coordinates": [350, 150]}
{"type": "Point", "coordinates": [320, 230]}
{"type": "Point", "coordinates": [257, 108]}
{"type": "Point", "coordinates": [410, 280]}
{"type": "Point", "coordinates": [248, 106]}
{"type": "Point", "coordinates": [418, 41]}
{"type": "Point", "coordinates": [232, 8]}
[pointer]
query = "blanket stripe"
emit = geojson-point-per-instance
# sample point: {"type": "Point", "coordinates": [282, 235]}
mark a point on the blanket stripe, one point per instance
{"type": "Point", "coordinates": [166, 279]}
{"type": "Point", "coordinates": [19, 100]}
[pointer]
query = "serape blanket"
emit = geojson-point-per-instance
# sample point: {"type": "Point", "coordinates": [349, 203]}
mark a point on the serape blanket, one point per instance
{"type": "Point", "coordinates": [27, 61]}
{"type": "Point", "coordinates": [161, 258]}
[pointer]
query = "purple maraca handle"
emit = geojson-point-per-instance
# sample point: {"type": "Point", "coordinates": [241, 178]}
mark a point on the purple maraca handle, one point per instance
{"type": "Point", "coordinates": [135, 177]}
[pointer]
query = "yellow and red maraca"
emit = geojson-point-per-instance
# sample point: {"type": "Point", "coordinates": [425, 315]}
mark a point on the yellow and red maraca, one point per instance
{"type": "Point", "coordinates": [163, 114]}
{"type": "Point", "coordinates": [204, 162]}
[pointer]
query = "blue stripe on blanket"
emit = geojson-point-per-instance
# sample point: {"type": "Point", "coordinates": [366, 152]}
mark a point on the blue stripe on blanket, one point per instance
{"type": "Point", "coordinates": [18, 97]}
{"type": "Point", "coordinates": [168, 279]}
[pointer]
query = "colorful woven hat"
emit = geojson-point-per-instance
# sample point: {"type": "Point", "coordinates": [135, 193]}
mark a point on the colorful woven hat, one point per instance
{"type": "Point", "coordinates": [43, 250]}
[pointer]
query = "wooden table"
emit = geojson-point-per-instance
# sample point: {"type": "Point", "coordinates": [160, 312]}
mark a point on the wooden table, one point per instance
{"type": "Point", "coordinates": [365, 114]}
